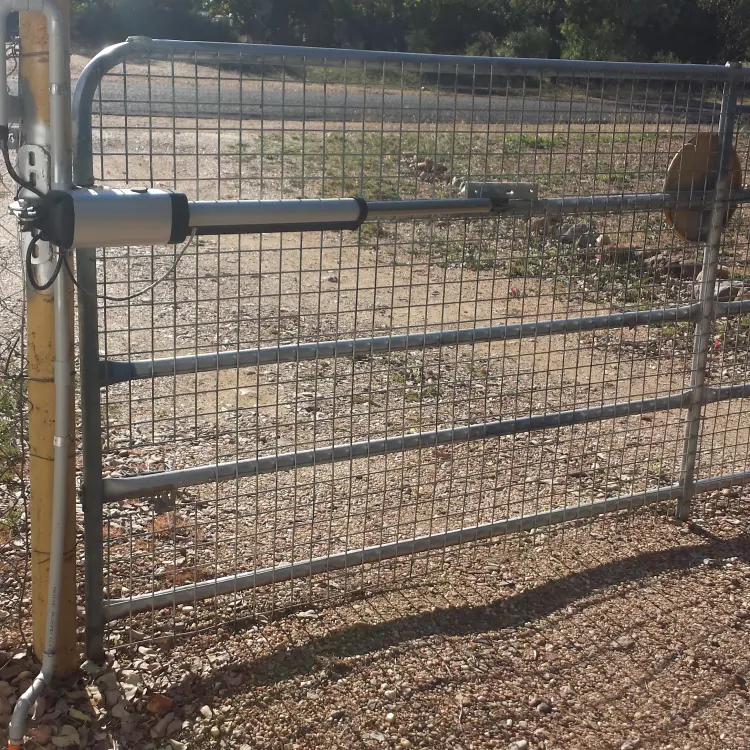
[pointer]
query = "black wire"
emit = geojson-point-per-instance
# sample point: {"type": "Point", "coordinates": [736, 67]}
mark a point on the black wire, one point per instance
{"type": "Point", "coordinates": [30, 274]}
{"type": "Point", "coordinates": [12, 172]}
{"type": "Point", "coordinates": [134, 295]}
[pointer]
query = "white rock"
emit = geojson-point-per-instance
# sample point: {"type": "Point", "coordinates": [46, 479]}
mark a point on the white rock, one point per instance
{"type": "Point", "coordinates": [309, 614]}
{"type": "Point", "coordinates": [390, 694]}
{"type": "Point", "coordinates": [390, 718]}
{"type": "Point", "coordinates": [206, 712]}
{"type": "Point", "coordinates": [215, 732]}
{"type": "Point", "coordinates": [177, 745]}
{"type": "Point", "coordinates": [129, 691]}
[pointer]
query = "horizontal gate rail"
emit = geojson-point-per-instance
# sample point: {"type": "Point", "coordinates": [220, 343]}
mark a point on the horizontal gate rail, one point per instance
{"type": "Point", "coordinates": [117, 608]}
{"type": "Point", "coordinates": [142, 485]}
{"type": "Point", "coordinates": [112, 372]}
{"type": "Point", "coordinates": [136, 48]}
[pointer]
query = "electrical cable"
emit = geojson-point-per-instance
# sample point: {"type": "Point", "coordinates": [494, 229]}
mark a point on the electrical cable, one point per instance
{"type": "Point", "coordinates": [30, 274]}
{"type": "Point", "coordinates": [12, 172]}
{"type": "Point", "coordinates": [134, 295]}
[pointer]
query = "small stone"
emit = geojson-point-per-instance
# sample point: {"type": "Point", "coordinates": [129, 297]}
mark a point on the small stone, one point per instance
{"type": "Point", "coordinates": [572, 233]}
{"type": "Point", "coordinates": [120, 711]}
{"type": "Point", "coordinates": [129, 691]}
{"type": "Point", "coordinates": [206, 712]}
{"type": "Point", "coordinates": [404, 742]}
{"type": "Point", "coordinates": [160, 728]}
{"type": "Point", "coordinates": [518, 745]}
{"type": "Point", "coordinates": [215, 732]}
{"type": "Point", "coordinates": [309, 614]}
{"type": "Point", "coordinates": [726, 291]}
{"type": "Point", "coordinates": [91, 668]}
{"type": "Point", "coordinates": [544, 708]}
{"type": "Point", "coordinates": [66, 737]}
{"type": "Point", "coordinates": [108, 680]}
{"type": "Point", "coordinates": [587, 240]}
{"type": "Point", "coordinates": [5, 708]}
{"type": "Point", "coordinates": [337, 715]}
{"type": "Point", "coordinates": [159, 704]}
{"type": "Point", "coordinates": [177, 745]}
{"type": "Point", "coordinates": [333, 279]}
{"type": "Point", "coordinates": [630, 745]}
{"type": "Point", "coordinates": [390, 717]}
{"type": "Point", "coordinates": [390, 694]}
{"type": "Point", "coordinates": [623, 643]}
{"type": "Point", "coordinates": [174, 726]}
{"type": "Point", "coordinates": [722, 272]}
{"type": "Point", "coordinates": [5, 689]}
{"type": "Point", "coordinates": [41, 734]}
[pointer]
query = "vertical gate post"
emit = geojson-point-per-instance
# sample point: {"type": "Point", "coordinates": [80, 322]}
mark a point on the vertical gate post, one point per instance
{"type": "Point", "coordinates": [91, 437]}
{"type": "Point", "coordinates": [707, 295]}
{"type": "Point", "coordinates": [34, 90]}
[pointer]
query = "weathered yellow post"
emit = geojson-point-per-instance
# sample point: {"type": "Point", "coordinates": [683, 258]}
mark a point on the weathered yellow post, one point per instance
{"type": "Point", "coordinates": [35, 109]}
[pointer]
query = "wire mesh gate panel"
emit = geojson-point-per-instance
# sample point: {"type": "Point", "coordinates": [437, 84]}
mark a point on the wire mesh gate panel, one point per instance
{"type": "Point", "coordinates": [291, 418]}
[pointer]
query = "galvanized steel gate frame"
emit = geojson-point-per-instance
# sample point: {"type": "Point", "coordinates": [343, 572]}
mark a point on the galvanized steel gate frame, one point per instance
{"type": "Point", "coordinates": [96, 374]}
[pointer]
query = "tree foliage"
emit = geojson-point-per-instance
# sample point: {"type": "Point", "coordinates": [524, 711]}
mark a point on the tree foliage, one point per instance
{"type": "Point", "coordinates": [684, 30]}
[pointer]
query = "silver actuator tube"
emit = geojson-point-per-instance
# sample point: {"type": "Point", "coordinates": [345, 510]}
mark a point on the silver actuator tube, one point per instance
{"type": "Point", "coordinates": [109, 217]}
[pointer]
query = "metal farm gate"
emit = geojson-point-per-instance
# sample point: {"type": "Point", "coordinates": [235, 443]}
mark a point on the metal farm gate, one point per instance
{"type": "Point", "coordinates": [286, 418]}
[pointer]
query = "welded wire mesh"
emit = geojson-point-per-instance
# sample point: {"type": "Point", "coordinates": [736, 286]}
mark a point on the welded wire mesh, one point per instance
{"type": "Point", "coordinates": [245, 123]}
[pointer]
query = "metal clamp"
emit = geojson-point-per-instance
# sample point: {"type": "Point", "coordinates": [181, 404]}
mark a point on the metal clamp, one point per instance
{"type": "Point", "coordinates": [520, 196]}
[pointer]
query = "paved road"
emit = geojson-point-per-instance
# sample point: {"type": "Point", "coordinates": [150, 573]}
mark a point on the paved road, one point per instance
{"type": "Point", "coordinates": [336, 105]}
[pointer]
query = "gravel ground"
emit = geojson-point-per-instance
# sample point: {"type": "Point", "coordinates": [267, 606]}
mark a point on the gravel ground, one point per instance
{"type": "Point", "coordinates": [631, 630]}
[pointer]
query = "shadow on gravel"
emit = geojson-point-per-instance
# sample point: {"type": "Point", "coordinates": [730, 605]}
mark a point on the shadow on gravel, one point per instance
{"type": "Point", "coordinates": [510, 611]}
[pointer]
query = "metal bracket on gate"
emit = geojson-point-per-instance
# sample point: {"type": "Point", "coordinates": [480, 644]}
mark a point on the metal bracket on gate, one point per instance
{"type": "Point", "coordinates": [522, 197]}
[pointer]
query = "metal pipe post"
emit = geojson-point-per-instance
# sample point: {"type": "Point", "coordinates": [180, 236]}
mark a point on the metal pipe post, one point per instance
{"type": "Point", "coordinates": [91, 439]}
{"type": "Point", "coordinates": [45, 99]}
{"type": "Point", "coordinates": [707, 295]}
